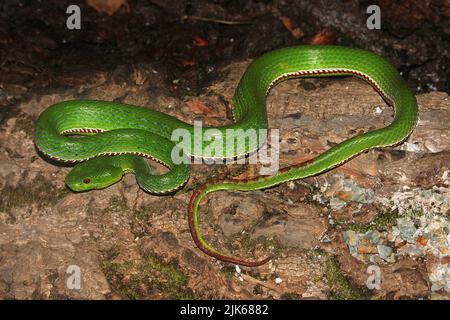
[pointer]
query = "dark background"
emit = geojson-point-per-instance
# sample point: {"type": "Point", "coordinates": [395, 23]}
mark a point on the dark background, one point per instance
{"type": "Point", "coordinates": [39, 54]}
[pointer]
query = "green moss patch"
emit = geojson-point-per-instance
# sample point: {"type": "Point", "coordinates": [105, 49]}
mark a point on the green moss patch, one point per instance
{"type": "Point", "coordinates": [152, 277]}
{"type": "Point", "coordinates": [341, 287]}
{"type": "Point", "coordinates": [382, 220]}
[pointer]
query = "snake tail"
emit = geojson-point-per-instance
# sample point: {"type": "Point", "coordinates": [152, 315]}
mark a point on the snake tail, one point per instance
{"type": "Point", "coordinates": [314, 61]}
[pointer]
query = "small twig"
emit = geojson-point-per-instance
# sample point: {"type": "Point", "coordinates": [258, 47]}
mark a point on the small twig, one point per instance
{"type": "Point", "coordinates": [215, 20]}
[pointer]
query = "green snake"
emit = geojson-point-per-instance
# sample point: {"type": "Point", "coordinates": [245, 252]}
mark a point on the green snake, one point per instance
{"type": "Point", "coordinates": [112, 139]}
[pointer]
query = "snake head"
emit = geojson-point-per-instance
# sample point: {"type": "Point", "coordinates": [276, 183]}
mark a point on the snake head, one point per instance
{"type": "Point", "coordinates": [97, 173]}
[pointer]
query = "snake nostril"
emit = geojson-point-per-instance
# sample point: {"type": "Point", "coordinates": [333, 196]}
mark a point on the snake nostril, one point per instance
{"type": "Point", "coordinates": [87, 181]}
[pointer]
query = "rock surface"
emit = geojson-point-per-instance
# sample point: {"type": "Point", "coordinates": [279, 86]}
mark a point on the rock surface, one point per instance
{"type": "Point", "coordinates": [129, 244]}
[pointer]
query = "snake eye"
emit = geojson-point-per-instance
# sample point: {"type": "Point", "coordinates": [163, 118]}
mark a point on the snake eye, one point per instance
{"type": "Point", "coordinates": [87, 181]}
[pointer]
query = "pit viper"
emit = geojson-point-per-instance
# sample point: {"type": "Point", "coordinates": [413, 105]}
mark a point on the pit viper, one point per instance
{"type": "Point", "coordinates": [109, 139]}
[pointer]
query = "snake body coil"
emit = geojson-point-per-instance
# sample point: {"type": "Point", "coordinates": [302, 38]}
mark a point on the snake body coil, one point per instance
{"type": "Point", "coordinates": [116, 136]}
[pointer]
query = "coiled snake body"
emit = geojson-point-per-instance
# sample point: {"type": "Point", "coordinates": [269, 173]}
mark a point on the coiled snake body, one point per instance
{"type": "Point", "coordinates": [115, 137]}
